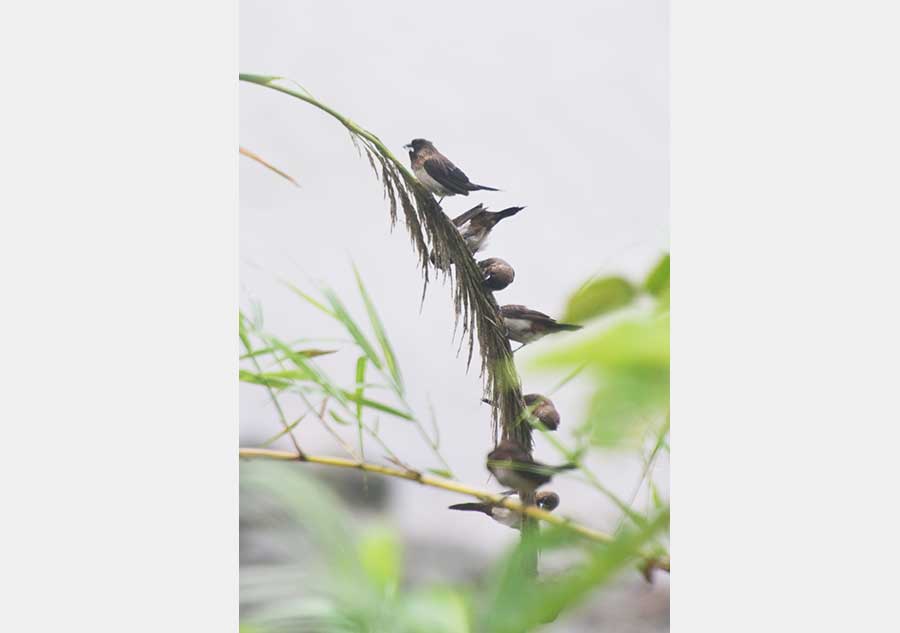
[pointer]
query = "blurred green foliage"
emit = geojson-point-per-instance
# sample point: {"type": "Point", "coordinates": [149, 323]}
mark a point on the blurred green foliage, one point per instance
{"type": "Point", "coordinates": [330, 575]}
{"type": "Point", "coordinates": [336, 578]}
{"type": "Point", "coordinates": [628, 361]}
{"type": "Point", "coordinates": [597, 297]}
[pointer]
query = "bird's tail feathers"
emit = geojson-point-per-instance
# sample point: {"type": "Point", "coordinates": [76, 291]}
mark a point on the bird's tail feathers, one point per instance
{"type": "Point", "coordinates": [505, 213]}
{"type": "Point", "coordinates": [474, 187]}
{"type": "Point", "coordinates": [470, 507]}
{"type": "Point", "coordinates": [569, 327]}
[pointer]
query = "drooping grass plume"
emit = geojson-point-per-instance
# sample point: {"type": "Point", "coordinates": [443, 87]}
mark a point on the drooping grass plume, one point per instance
{"type": "Point", "coordinates": [439, 246]}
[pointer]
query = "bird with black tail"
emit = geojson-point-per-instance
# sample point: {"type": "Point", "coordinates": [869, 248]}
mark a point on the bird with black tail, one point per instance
{"type": "Point", "coordinates": [545, 500]}
{"type": "Point", "coordinates": [524, 325]}
{"type": "Point", "coordinates": [497, 273]}
{"type": "Point", "coordinates": [542, 408]}
{"type": "Point", "coordinates": [477, 223]}
{"type": "Point", "coordinates": [513, 466]}
{"type": "Point", "coordinates": [436, 173]}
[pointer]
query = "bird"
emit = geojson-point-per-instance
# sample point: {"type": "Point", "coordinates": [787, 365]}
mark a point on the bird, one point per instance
{"type": "Point", "coordinates": [514, 467]}
{"type": "Point", "coordinates": [524, 325]}
{"type": "Point", "coordinates": [437, 173]}
{"type": "Point", "coordinates": [477, 223]}
{"type": "Point", "coordinates": [498, 274]}
{"type": "Point", "coordinates": [541, 407]}
{"type": "Point", "coordinates": [545, 500]}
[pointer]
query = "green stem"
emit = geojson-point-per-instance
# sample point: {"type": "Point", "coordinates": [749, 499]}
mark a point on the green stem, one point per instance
{"type": "Point", "coordinates": [263, 80]}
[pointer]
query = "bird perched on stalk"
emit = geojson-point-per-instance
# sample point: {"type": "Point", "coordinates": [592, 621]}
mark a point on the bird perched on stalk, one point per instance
{"type": "Point", "coordinates": [497, 273]}
{"type": "Point", "coordinates": [524, 325]}
{"type": "Point", "coordinates": [513, 466]}
{"type": "Point", "coordinates": [477, 223]}
{"type": "Point", "coordinates": [435, 171]}
{"type": "Point", "coordinates": [541, 407]}
{"type": "Point", "coordinates": [545, 500]}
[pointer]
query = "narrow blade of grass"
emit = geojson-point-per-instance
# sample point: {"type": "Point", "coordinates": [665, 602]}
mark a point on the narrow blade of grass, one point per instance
{"type": "Point", "coordinates": [309, 353]}
{"type": "Point", "coordinates": [308, 299]}
{"type": "Point", "coordinates": [359, 394]}
{"type": "Point", "coordinates": [380, 334]}
{"type": "Point", "coordinates": [283, 432]}
{"type": "Point", "coordinates": [342, 315]}
{"type": "Point", "coordinates": [246, 152]}
{"type": "Point", "coordinates": [378, 406]}
{"type": "Point", "coordinates": [314, 374]}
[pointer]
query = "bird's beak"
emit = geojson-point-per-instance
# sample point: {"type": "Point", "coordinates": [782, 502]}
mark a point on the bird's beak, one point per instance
{"type": "Point", "coordinates": [407, 146]}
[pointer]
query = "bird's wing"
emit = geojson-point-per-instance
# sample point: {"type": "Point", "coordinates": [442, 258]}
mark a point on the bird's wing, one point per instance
{"type": "Point", "coordinates": [447, 174]}
{"type": "Point", "coordinates": [462, 218]}
{"type": "Point", "coordinates": [521, 312]}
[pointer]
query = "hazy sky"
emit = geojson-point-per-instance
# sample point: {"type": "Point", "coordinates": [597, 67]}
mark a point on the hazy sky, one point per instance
{"type": "Point", "coordinates": [564, 107]}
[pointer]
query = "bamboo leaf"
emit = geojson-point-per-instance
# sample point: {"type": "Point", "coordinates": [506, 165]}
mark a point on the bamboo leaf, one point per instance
{"type": "Point", "coordinates": [599, 296]}
{"type": "Point", "coordinates": [378, 406]}
{"type": "Point", "coordinates": [261, 379]}
{"type": "Point", "coordinates": [308, 353]}
{"type": "Point", "coordinates": [314, 374]}
{"type": "Point", "coordinates": [283, 432]}
{"type": "Point", "coordinates": [342, 315]}
{"type": "Point", "coordinates": [308, 299]}
{"type": "Point", "coordinates": [380, 334]}
{"type": "Point", "coordinates": [657, 282]}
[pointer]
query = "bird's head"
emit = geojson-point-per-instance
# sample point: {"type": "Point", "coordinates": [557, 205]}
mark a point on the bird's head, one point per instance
{"type": "Point", "coordinates": [418, 144]}
{"type": "Point", "coordinates": [547, 500]}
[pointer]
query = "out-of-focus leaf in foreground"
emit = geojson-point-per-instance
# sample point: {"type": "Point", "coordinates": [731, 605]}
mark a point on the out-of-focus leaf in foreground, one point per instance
{"type": "Point", "coordinates": [518, 603]}
{"type": "Point", "coordinates": [597, 297]}
{"type": "Point", "coordinates": [326, 576]}
{"type": "Point", "coordinates": [381, 557]}
{"type": "Point", "coordinates": [630, 365]}
{"type": "Point", "coordinates": [657, 281]}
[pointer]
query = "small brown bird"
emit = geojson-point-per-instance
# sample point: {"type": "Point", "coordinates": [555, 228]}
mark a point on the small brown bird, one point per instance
{"type": "Point", "coordinates": [542, 408]}
{"type": "Point", "coordinates": [498, 274]}
{"type": "Point", "coordinates": [477, 223]}
{"type": "Point", "coordinates": [435, 171]}
{"type": "Point", "coordinates": [526, 326]}
{"type": "Point", "coordinates": [545, 500]}
{"type": "Point", "coordinates": [513, 466]}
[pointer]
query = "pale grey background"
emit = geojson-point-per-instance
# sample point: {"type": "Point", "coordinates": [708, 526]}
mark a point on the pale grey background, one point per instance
{"type": "Point", "coordinates": [563, 106]}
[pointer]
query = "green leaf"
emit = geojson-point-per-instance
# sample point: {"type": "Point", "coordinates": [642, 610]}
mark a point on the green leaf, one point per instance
{"type": "Point", "coordinates": [360, 384]}
{"type": "Point", "coordinates": [446, 474]}
{"type": "Point", "coordinates": [630, 363]}
{"type": "Point", "coordinates": [358, 394]}
{"type": "Point", "coordinates": [379, 406]}
{"type": "Point", "coordinates": [342, 315]}
{"type": "Point", "coordinates": [436, 610]}
{"type": "Point", "coordinates": [308, 353]}
{"type": "Point", "coordinates": [380, 334]}
{"type": "Point", "coordinates": [597, 297]}
{"type": "Point", "coordinates": [520, 603]}
{"type": "Point", "coordinates": [314, 374]}
{"type": "Point", "coordinates": [637, 343]}
{"type": "Point", "coordinates": [625, 404]}
{"type": "Point", "coordinates": [654, 493]}
{"type": "Point", "coordinates": [263, 379]}
{"type": "Point", "coordinates": [308, 299]}
{"type": "Point", "coordinates": [657, 282]}
{"type": "Point", "coordinates": [381, 558]}
{"type": "Point", "coordinates": [339, 419]}
{"type": "Point", "coordinates": [290, 427]}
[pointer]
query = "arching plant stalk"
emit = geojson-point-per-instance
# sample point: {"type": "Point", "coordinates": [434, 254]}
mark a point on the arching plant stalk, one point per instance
{"type": "Point", "coordinates": [439, 244]}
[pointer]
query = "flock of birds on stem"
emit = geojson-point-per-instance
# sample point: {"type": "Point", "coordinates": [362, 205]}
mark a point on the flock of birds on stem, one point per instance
{"type": "Point", "coordinates": [509, 462]}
